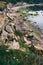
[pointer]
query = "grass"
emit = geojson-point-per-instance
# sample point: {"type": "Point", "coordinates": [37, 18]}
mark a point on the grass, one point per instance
{"type": "Point", "coordinates": [6, 58]}
{"type": "Point", "coordinates": [22, 44]}
{"type": "Point", "coordinates": [17, 57]}
{"type": "Point", "coordinates": [18, 33]}
{"type": "Point", "coordinates": [22, 15]}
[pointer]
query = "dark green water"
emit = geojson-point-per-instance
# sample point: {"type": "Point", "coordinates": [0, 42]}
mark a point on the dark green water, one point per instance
{"type": "Point", "coordinates": [35, 8]}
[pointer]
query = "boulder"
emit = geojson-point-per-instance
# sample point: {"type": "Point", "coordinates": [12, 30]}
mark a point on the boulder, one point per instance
{"type": "Point", "coordinates": [14, 45]}
{"type": "Point", "coordinates": [8, 29]}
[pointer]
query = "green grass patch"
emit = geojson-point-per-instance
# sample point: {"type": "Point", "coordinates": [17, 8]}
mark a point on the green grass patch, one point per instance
{"type": "Point", "coordinates": [18, 33]}
{"type": "Point", "coordinates": [17, 57]}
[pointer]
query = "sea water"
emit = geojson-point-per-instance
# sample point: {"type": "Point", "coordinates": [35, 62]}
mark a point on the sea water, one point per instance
{"type": "Point", "coordinates": [36, 19]}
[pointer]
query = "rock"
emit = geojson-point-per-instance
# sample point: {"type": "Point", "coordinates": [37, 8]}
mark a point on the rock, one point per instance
{"type": "Point", "coordinates": [4, 33]}
{"type": "Point", "coordinates": [14, 45]}
{"type": "Point", "coordinates": [8, 29]}
{"type": "Point", "coordinates": [29, 43]}
{"type": "Point", "coordinates": [10, 37]}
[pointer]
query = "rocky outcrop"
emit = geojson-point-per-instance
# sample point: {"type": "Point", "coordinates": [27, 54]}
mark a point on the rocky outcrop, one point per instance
{"type": "Point", "coordinates": [8, 29]}
{"type": "Point", "coordinates": [14, 45]}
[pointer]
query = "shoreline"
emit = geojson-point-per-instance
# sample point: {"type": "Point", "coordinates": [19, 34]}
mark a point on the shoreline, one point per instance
{"type": "Point", "coordinates": [37, 31]}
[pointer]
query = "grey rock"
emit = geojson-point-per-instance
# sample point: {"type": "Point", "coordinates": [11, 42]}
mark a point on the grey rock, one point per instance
{"type": "Point", "coordinates": [8, 29]}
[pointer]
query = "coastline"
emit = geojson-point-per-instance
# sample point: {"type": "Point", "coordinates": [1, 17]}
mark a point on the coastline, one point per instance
{"type": "Point", "coordinates": [37, 33]}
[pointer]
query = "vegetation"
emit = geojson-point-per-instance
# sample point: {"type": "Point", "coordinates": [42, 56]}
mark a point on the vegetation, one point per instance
{"type": "Point", "coordinates": [28, 1]}
{"type": "Point", "coordinates": [2, 5]}
{"type": "Point", "coordinates": [17, 57]}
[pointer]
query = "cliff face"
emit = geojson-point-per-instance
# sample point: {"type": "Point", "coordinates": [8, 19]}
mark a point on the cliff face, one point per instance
{"type": "Point", "coordinates": [18, 42]}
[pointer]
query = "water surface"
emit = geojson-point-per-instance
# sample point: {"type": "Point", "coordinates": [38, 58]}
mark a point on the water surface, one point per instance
{"type": "Point", "coordinates": [36, 18]}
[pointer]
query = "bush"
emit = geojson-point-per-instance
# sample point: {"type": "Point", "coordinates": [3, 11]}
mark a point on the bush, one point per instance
{"type": "Point", "coordinates": [2, 6]}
